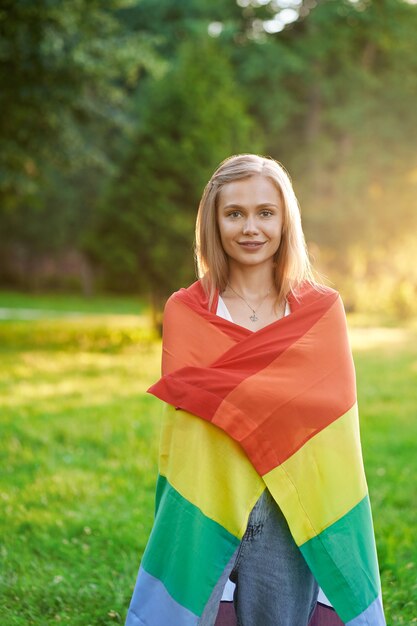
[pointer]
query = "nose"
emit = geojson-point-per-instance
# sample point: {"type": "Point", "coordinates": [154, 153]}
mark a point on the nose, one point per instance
{"type": "Point", "coordinates": [249, 226]}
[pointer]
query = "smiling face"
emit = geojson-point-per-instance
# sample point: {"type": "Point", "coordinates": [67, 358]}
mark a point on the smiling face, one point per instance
{"type": "Point", "coordinates": [250, 218]}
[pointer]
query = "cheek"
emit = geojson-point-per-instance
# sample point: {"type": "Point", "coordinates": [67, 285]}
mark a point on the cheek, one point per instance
{"type": "Point", "coordinates": [226, 229]}
{"type": "Point", "coordinates": [273, 231]}
{"type": "Point", "coordinates": [276, 229]}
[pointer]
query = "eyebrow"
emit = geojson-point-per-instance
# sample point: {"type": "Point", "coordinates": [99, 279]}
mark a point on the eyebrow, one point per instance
{"type": "Point", "coordinates": [233, 205]}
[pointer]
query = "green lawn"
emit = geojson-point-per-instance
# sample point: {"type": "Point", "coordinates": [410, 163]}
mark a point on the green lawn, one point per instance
{"type": "Point", "coordinates": [62, 303]}
{"type": "Point", "coordinates": [78, 457]}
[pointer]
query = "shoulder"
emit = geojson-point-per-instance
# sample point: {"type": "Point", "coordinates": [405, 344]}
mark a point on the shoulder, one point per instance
{"type": "Point", "coordinates": [317, 295]}
{"type": "Point", "coordinates": [314, 291]}
{"type": "Point", "coordinates": [192, 296]}
{"type": "Point", "coordinates": [172, 305]}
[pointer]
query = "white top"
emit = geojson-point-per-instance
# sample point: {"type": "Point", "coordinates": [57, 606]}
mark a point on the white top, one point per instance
{"type": "Point", "coordinates": [223, 311]}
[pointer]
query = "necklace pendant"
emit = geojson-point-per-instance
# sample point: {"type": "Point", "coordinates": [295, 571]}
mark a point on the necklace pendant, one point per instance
{"type": "Point", "coordinates": [253, 317]}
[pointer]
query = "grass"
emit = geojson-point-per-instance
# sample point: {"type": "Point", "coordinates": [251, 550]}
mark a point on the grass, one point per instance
{"type": "Point", "coordinates": [78, 455]}
{"type": "Point", "coordinates": [63, 303]}
{"type": "Point", "coordinates": [387, 375]}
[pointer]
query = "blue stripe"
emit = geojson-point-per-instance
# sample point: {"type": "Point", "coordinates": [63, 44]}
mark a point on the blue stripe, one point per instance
{"type": "Point", "coordinates": [151, 605]}
{"type": "Point", "coordinates": [372, 616]}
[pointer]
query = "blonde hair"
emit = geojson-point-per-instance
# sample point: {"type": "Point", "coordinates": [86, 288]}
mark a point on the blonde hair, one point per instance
{"type": "Point", "coordinates": [291, 262]}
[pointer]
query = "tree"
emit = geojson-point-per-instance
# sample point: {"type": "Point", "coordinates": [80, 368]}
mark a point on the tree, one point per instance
{"type": "Point", "coordinates": [62, 66]}
{"type": "Point", "coordinates": [190, 120]}
{"type": "Point", "coordinates": [67, 75]}
{"type": "Point", "coordinates": [338, 108]}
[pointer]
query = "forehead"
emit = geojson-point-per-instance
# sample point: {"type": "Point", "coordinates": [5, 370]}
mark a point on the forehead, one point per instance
{"type": "Point", "coordinates": [254, 190]}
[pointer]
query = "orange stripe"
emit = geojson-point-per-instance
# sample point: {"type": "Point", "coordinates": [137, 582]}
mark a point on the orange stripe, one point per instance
{"type": "Point", "coordinates": [200, 343]}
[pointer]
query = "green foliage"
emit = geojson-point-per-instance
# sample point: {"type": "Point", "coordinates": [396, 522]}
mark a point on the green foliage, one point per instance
{"type": "Point", "coordinates": [67, 71]}
{"type": "Point", "coordinates": [63, 67]}
{"type": "Point", "coordinates": [192, 118]}
{"type": "Point", "coordinates": [355, 93]}
{"type": "Point", "coordinates": [347, 134]}
{"type": "Point", "coordinates": [113, 118]}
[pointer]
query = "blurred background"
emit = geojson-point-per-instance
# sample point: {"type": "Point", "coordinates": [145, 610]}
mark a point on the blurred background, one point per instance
{"type": "Point", "coordinates": [113, 117]}
{"type": "Point", "coordinates": [115, 114]}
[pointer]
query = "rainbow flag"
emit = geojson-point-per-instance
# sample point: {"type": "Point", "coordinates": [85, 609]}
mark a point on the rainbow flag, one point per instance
{"type": "Point", "coordinates": [247, 410]}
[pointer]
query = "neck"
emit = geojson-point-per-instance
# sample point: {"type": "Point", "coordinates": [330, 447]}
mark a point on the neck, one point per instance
{"type": "Point", "coordinates": [251, 281]}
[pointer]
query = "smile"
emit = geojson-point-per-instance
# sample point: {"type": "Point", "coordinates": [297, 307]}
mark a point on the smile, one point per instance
{"type": "Point", "coordinates": [252, 245]}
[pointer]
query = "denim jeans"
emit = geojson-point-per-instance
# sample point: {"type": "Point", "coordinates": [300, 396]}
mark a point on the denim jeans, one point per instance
{"type": "Point", "coordinates": [274, 585]}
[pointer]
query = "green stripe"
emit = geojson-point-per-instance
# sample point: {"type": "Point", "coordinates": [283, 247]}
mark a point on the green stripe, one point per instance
{"type": "Point", "coordinates": [344, 562]}
{"type": "Point", "coordinates": [187, 550]}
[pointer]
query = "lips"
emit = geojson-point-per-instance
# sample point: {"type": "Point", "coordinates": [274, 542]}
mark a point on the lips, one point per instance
{"type": "Point", "coordinates": [251, 244]}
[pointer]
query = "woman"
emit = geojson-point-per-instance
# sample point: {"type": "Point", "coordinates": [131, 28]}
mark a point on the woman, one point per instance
{"type": "Point", "coordinates": [261, 475]}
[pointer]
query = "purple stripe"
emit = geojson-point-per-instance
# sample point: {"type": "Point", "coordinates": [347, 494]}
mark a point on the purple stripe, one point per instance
{"type": "Point", "coordinates": [372, 616]}
{"type": "Point", "coordinates": [151, 605]}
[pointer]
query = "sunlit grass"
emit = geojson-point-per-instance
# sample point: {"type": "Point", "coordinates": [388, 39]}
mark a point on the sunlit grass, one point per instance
{"type": "Point", "coordinates": [364, 339]}
{"type": "Point", "coordinates": [78, 457]}
{"type": "Point", "coordinates": [386, 367]}
{"type": "Point", "coordinates": [82, 381]}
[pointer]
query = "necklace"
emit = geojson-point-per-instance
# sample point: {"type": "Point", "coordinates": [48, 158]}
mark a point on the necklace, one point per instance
{"type": "Point", "coordinates": [252, 317]}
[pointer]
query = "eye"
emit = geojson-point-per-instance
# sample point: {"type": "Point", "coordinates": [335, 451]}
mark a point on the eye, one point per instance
{"type": "Point", "coordinates": [233, 214]}
{"type": "Point", "coordinates": [267, 212]}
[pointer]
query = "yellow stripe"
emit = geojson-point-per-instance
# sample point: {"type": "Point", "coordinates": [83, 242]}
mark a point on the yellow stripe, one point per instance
{"type": "Point", "coordinates": [323, 480]}
{"type": "Point", "coordinates": [209, 469]}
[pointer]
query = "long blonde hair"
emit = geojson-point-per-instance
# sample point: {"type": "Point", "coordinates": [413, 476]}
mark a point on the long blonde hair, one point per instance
{"type": "Point", "coordinates": [291, 262]}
